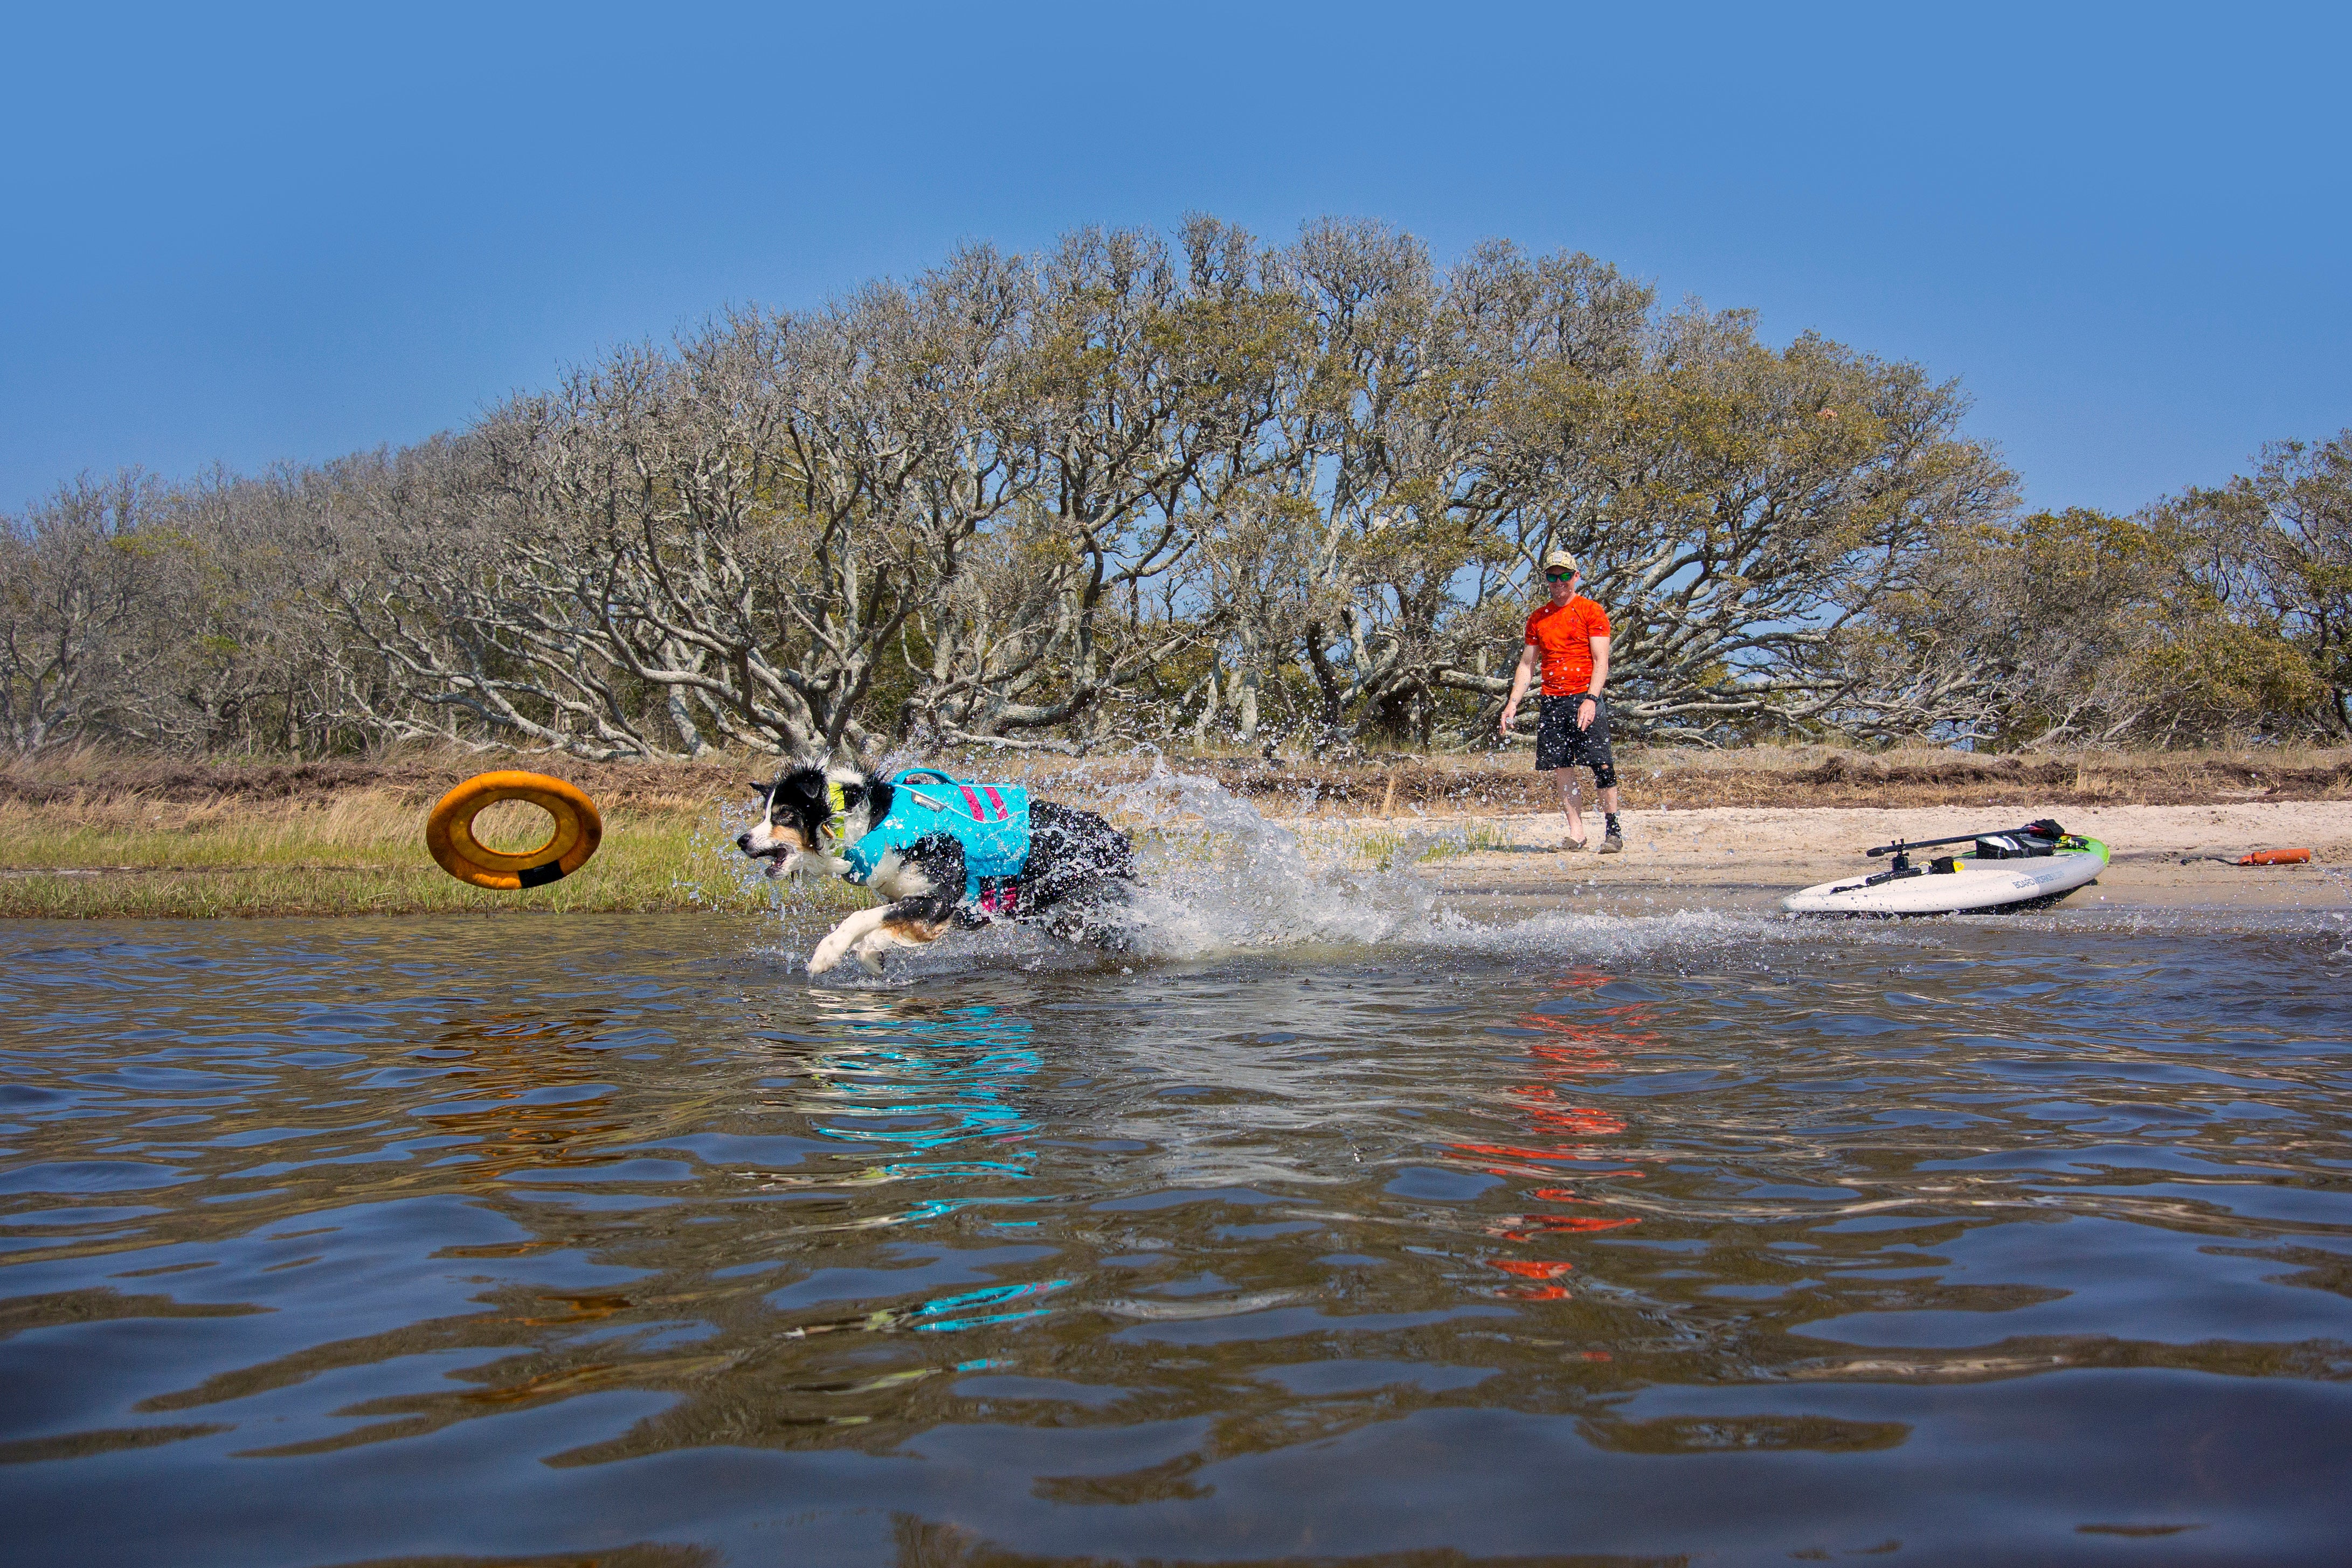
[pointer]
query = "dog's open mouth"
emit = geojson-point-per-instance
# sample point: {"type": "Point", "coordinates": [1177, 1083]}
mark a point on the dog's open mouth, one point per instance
{"type": "Point", "coordinates": [784, 860]}
{"type": "Point", "coordinates": [779, 856]}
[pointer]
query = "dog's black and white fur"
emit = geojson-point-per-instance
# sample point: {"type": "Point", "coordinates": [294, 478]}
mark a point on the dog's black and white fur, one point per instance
{"type": "Point", "coordinates": [1078, 865]}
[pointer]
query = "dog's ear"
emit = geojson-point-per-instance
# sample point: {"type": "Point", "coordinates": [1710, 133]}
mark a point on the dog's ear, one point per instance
{"type": "Point", "coordinates": [761, 791]}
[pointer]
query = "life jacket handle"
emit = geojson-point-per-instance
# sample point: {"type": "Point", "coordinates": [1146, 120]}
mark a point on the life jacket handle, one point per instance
{"type": "Point", "coordinates": [971, 792]}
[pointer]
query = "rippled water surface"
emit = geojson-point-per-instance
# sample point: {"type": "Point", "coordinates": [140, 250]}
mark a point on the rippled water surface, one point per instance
{"type": "Point", "coordinates": [1728, 1240]}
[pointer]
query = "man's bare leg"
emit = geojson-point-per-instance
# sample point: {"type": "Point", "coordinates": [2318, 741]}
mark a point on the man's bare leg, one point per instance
{"type": "Point", "coordinates": [1571, 793]}
{"type": "Point", "coordinates": [1568, 791]}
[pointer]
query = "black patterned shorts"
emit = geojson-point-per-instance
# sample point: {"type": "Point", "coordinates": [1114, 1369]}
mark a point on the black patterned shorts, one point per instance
{"type": "Point", "coordinates": [1559, 744]}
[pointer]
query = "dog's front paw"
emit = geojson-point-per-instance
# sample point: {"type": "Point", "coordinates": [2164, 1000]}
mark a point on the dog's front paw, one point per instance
{"type": "Point", "coordinates": [842, 939]}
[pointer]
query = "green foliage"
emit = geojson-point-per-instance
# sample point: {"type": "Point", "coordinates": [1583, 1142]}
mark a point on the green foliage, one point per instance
{"type": "Point", "coordinates": [2276, 546]}
{"type": "Point", "coordinates": [1144, 488]}
{"type": "Point", "coordinates": [2083, 626]}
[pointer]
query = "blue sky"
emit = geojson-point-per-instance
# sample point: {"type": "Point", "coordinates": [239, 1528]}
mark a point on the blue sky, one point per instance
{"type": "Point", "coordinates": [288, 233]}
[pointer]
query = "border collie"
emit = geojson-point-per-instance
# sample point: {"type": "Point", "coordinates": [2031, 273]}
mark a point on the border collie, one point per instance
{"type": "Point", "coordinates": [944, 854]}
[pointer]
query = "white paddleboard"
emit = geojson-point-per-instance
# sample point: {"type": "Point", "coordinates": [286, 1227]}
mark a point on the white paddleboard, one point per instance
{"type": "Point", "coordinates": [1976, 885]}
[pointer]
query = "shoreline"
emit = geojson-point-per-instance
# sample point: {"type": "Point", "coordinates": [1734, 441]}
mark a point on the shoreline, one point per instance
{"type": "Point", "coordinates": [89, 836]}
{"type": "Point", "coordinates": [1727, 858]}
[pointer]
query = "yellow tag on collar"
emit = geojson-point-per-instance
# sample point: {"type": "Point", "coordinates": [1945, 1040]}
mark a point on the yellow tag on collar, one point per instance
{"type": "Point", "coordinates": [837, 798]}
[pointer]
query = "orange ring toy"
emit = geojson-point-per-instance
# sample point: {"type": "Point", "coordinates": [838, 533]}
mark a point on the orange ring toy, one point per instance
{"type": "Point", "coordinates": [450, 831]}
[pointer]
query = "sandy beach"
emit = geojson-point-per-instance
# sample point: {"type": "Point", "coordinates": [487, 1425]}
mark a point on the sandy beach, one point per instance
{"type": "Point", "coordinates": [1747, 858]}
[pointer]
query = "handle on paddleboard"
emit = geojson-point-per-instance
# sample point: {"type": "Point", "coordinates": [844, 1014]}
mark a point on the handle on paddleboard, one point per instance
{"type": "Point", "coordinates": [1900, 845]}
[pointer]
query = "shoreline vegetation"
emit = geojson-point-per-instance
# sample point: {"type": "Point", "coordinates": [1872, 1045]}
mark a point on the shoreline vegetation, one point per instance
{"type": "Point", "coordinates": [90, 835]}
{"type": "Point", "coordinates": [1272, 509]}
{"type": "Point", "coordinates": [1176, 490]}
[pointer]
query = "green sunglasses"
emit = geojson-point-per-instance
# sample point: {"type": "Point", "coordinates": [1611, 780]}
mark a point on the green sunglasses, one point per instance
{"type": "Point", "coordinates": [1557, 576]}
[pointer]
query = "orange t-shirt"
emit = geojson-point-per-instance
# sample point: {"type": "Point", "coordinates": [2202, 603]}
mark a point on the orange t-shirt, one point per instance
{"type": "Point", "coordinates": [1565, 633]}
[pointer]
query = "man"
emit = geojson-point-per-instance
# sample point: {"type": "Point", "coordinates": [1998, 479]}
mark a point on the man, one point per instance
{"type": "Point", "coordinates": [1570, 636]}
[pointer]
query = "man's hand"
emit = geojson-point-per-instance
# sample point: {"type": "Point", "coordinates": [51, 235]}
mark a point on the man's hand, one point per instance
{"type": "Point", "coordinates": [1585, 715]}
{"type": "Point", "coordinates": [1510, 717]}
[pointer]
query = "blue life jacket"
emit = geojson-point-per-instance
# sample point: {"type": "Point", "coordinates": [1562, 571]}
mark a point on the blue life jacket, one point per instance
{"type": "Point", "coordinates": [990, 820]}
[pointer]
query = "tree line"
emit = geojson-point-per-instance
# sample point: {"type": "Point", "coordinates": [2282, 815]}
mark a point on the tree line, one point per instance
{"type": "Point", "coordinates": [1184, 489]}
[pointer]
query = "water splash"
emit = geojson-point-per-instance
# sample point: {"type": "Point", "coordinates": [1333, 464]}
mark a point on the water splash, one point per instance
{"type": "Point", "coordinates": [1220, 878]}
{"type": "Point", "coordinates": [716, 873]}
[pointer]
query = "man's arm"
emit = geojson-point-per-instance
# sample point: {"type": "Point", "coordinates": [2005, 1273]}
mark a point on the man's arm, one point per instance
{"type": "Point", "coordinates": [1528, 657]}
{"type": "Point", "coordinates": [1600, 678]}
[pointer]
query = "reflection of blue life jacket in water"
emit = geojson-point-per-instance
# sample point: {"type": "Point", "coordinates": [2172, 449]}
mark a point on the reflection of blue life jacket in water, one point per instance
{"type": "Point", "coordinates": [990, 820]}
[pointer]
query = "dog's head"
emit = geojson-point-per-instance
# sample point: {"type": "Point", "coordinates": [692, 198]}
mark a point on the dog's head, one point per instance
{"type": "Point", "coordinates": [810, 814]}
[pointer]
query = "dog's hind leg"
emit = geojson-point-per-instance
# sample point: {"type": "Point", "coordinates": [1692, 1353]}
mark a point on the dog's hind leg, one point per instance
{"type": "Point", "coordinates": [1081, 872]}
{"type": "Point", "coordinates": [1099, 916]}
{"type": "Point", "coordinates": [1073, 853]}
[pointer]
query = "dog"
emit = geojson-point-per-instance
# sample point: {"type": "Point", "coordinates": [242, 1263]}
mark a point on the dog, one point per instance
{"type": "Point", "coordinates": [943, 854]}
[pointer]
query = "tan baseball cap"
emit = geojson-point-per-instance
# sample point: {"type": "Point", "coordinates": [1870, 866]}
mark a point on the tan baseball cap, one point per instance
{"type": "Point", "coordinates": [1560, 558]}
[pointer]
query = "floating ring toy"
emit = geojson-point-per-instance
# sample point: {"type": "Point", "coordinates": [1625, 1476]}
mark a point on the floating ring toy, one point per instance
{"type": "Point", "coordinates": [450, 831]}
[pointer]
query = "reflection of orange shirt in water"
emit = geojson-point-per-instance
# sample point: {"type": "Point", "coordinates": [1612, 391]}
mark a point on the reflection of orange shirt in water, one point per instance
{"type": "Point", "coordinates": [1565, 633]}
{"type": "Point", "coordinates": [1579, 1048]}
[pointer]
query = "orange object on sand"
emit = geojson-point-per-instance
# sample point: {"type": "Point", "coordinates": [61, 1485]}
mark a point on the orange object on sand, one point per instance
{"type": "Point", "coordinates": [2278, 857]}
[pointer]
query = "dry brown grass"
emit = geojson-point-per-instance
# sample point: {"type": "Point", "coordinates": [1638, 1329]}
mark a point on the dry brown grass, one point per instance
{"type": "Point", "coordinates": [417, 777]}
{"type": "Point", "coordinates": [1775, 776]}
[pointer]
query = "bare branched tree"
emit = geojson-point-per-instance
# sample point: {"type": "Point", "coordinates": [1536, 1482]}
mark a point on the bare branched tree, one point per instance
{"type": "Point", "coordinates": [75, 576]}
{"type": "Point", "coordinates": [724, 544]}
{"type": "Point", "coordinates": [1136, 404]}
{"type": "Point", "coordinates": [1739, 509]}
{"type": "Point", "coordinates": [1136, 485]}
{"type": "Point", "coordinates": [1747, 511]}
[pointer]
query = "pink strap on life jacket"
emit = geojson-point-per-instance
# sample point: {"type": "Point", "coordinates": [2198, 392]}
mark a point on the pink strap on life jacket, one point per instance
{"type": "Point", "coordinates": [996, 801]}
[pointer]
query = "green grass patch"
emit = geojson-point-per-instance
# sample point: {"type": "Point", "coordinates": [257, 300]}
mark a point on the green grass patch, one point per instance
{"type": "Point", "coordinates": [1388, 849]}
{"type": "Point", "coordinates": [359, 853]}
